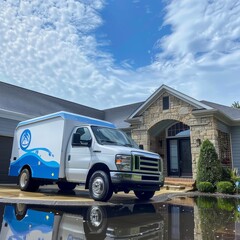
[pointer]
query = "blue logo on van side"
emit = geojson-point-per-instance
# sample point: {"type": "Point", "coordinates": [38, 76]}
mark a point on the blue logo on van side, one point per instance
{"type": "Point", "coordinates": [42, 165]}
{"type": "Point", "coordinates": [25, 139]}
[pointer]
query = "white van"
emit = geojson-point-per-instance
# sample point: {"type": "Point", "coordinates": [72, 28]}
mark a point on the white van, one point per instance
{"type": "Point", "coordinates": [70, 149]}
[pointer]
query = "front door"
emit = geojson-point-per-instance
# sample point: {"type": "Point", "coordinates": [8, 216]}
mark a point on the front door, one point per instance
{"type": "Point", "coordinates": [179, 157]}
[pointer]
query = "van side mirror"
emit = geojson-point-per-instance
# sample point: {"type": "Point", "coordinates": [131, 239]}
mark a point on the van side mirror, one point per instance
{"type": "Point", "coordinates": [78, 142]}
{"type": "Point", "coordinates": [141, 146]}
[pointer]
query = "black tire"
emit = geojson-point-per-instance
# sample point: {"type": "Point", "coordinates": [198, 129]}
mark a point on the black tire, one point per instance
{"type": "Point", "coordinates": [100, 187]}
{"type": "Point", "coordinates": [26, 182]}
{"type": "Point", "coordinates": [66, 186]}
{"type": "Point", "coordinates": [20, 211]}
{"type": "Point", "coordinates": [144, 195]}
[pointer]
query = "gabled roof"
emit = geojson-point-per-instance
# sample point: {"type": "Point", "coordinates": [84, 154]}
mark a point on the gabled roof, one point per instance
{"type": "Point", "coordinates": [20, 104]}
{"type": "Point", "coordinates": [197, 104]}
{"type": "Point", "coordinates": [28, 104]}
{"type": "Point", "coordinates": [118, 115]}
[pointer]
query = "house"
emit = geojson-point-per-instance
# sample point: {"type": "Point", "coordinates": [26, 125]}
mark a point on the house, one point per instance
{"type": "Point", "coordinates": [174, 125]}
{"type": "Point", "coordinates": [168, 122]}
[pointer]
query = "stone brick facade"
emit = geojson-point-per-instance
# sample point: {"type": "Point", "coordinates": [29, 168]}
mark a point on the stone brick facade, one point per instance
{"type": "Point", "coordinates": [154, 118]}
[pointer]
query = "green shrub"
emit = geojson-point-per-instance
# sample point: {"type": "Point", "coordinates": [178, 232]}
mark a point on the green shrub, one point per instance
{"type": "Point", "coordinates": [225, 187]}
{"type": "Point", "coordinates": [234, 175]}
{"type": "Point", "coordinates": [205, 187]}
{"type": "Point", "coordinates": [226, 174]}
{"type": "Point", "coordinates": [209, 167]}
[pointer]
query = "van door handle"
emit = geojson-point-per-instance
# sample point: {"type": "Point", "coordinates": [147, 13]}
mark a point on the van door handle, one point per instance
{"type": "Point", "coordinates": [69, 157]}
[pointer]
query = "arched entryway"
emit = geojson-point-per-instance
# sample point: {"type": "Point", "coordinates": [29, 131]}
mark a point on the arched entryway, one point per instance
{"type": "Point", "coordinates": [171, 139]}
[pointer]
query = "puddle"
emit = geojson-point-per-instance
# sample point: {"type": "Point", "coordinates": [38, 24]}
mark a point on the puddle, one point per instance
{"type": "Point", "coordinates": [181, 218]}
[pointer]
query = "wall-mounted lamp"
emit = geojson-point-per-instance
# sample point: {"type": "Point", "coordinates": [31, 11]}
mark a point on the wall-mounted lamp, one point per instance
{"type": "Point", "coordinates": [198, 142]}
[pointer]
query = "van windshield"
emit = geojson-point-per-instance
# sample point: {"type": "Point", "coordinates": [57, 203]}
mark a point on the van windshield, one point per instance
{"type": "Point", "coordinates": [112, 136]}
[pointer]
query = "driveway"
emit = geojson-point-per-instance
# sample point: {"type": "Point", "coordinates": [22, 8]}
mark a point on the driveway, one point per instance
{"type": "Point", "coordinates": [50, 195]}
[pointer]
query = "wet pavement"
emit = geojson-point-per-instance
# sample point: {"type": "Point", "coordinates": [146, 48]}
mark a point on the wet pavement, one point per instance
{"type": "Point", "coordinates": [51, 195]}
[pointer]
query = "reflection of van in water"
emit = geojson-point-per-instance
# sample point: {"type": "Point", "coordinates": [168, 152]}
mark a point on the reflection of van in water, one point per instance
{"type": "Point", "coordinates": [95, 222]}
{"type": "Point", "coordinates": [70, 149]}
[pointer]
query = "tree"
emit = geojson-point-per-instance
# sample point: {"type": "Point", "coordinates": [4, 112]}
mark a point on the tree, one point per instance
{"type": "Point", "coordinates": [209, 167]}
{"type": "Point", "coordinates": [236, 104]}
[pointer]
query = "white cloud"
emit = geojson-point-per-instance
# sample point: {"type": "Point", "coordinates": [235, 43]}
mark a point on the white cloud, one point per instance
{"type": "Point", "coordinates": [201, 55]}
{"type": "Point", "coordinates": [50, 46]}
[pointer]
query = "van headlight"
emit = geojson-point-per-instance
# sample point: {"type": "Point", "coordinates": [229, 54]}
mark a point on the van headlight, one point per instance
{"type": "Point", "coordinates": [123, 162]}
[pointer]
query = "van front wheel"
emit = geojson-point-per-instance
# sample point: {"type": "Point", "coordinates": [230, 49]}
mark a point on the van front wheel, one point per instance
{"type": "Point", "coordinates": [100, 187]}
{"type": "Point", "coordinates": [26, 182]}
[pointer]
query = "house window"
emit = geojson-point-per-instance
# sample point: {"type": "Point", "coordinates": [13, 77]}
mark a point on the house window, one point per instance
{"type": "Point", "coordinates": [165, 103]}
{"type": "Point", "coordinates": [179, 129]}
{"type": "Point", "coordinates": [225, 155]}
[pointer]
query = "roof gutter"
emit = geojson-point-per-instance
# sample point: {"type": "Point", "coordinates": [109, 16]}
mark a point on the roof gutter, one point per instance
{"type": "Point", "coordinates": [204, 112]}
{"type": "Point", "coordinates": [135, 120]}
{"type": "Point", "coordinates": [14, 115]}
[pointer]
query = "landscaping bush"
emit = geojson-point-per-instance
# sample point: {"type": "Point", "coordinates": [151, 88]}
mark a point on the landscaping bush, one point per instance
{"type": "Point", "coordinates": [225, 187]}
{"type": "Point", "coordinates": [205, 187]}
{"type": "Point", "coordinates": [226, 174]}
{"type": "Point", "coordinates": [235, 177]}
{"type": "Point", "coordinates": [209, 167]}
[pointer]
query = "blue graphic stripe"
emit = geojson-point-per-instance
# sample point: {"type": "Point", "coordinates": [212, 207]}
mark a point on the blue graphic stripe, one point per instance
{"type": "Point", "coordinates": [39, 167]}
{"type": "Point", "coordinates": [39, 149]}
{"type": "Point", "coordinates": [71, 116]}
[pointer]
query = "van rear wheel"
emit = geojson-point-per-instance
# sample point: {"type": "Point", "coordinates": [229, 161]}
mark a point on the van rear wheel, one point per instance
{"type": "Point", "coordinates": [100, 187]}
{"type": "Point", "coordinates": [26, 182]}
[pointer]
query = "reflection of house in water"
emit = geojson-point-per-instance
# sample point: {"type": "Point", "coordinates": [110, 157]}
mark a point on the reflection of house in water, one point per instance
{"type": "Point", "coordinates": [210, 217]}
{"type": "Point", "coordinates": [202, 218]}
{"type": "Point", "coordinates": [178, 218]}
{"type": "Point", "coordinates": [237, 227]}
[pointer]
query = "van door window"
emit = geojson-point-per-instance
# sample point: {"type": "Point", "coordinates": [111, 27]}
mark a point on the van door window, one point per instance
{"type": "Point", "coordinates": [84, 134]}
{"type": "Point", "coordinates": [82, 137]}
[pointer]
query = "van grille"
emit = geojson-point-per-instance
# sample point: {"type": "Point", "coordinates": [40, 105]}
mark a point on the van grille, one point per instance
{"type": "Point", "coordinates": [146, 164]}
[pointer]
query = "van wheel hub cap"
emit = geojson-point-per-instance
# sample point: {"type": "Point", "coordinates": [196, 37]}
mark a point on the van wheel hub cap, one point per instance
{"type": "Point", "coordinates": [98, 186]}
{"type": "Point", "coordinates": [23, 180]}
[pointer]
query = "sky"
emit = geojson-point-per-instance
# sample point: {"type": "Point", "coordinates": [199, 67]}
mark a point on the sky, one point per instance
{"type": "Point", "coordinates": [108, 53]}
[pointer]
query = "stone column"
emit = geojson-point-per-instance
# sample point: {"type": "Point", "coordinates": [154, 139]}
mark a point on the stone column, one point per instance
{"type": "Point", "coordinates": [201, 129]}
{"type": "Point", "coordinates": [140, 136]}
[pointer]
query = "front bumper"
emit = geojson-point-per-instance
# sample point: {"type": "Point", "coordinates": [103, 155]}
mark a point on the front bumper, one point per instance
{"type": "Point", "coordinates": [136, 181]}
